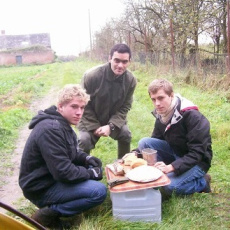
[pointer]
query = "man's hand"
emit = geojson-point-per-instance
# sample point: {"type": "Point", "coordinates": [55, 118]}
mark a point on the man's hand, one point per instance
{"type": "Point", "coordinates": [93, 161]}
{"type": "Point", "coordinates": [95, 173]}
{"type": "Point", "coordinates": [102, 131]}
{"type": "Point", "coordinates": [163, 167]}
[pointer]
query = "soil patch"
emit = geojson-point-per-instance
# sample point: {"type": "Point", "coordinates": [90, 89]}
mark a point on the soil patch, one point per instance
{"type": "Point", "coordinates": [10, 193]}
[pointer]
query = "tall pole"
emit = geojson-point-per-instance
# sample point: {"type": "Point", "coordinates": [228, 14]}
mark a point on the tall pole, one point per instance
{"type": "Point", "coordinates": [228, 31]}
{"type": "Point", "coordinates": [90, 38]}
{"type": "Point", "coordinates": [172, 45]}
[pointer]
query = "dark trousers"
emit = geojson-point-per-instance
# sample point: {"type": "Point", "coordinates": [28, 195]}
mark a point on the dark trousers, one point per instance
{"type": "Point", "coordinates": [87, 140]}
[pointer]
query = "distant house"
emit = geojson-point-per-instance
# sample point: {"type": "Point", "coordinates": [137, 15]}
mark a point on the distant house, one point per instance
{"type": "Point", "coordinates": [25, 49]}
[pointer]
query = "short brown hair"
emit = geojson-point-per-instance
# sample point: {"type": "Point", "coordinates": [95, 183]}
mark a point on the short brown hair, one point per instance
{"type": "Point", "coordinates": [158, 84]}
{"type": "Point", "coordinates": [70, 91]}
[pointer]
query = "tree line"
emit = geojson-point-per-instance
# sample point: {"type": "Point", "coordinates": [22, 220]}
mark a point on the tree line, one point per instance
{"type": "Point", "coordinates": [156, 29]}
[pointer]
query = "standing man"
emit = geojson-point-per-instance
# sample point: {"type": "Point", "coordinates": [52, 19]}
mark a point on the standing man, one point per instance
{"type": "Point", "coordinates": [111, 87]}
{"type": "Point", "coordinates": [55, 175]}
{"type": "Point", "coordinates": [182, 139]}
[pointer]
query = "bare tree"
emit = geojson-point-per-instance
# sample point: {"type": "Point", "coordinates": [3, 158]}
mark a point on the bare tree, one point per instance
{"type": "Point", "coordinates": [145, 26]}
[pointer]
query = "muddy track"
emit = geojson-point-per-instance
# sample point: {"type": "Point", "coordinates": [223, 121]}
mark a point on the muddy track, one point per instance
{"type": "Point", "coordinates": [11, 193]}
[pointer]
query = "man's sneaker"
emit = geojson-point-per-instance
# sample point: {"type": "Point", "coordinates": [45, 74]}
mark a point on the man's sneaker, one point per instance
{"type": "Point", "coordinates": [48, 218]}
{"type": "Point", "coordinates": [207, 188]}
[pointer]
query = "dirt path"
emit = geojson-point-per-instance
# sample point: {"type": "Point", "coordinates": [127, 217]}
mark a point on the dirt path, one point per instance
{"type": "Point", "coordinates": [10, 193]}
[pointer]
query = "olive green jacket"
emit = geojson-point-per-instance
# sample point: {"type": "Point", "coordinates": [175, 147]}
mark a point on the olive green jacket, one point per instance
{"type": "Point", "coordinates": [110, 97]}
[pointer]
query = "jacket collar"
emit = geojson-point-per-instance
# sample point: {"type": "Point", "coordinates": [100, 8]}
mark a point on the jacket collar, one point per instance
{"type": "Point", "coordinates": [183, 105]}
{"type": "Point", "coordinates": [49, 113]}
{"type": "Point", "coordinates": [110, 76]}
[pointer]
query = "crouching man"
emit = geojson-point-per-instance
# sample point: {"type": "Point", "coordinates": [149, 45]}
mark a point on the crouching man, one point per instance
{"type": "Point", "coordinates": [181, 136]}
{"type": "Point", "coordinates": [55, 175]}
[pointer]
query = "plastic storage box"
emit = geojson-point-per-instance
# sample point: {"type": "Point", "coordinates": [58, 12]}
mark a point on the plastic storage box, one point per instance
{"type": "Point", "coordinates": [138, 205]}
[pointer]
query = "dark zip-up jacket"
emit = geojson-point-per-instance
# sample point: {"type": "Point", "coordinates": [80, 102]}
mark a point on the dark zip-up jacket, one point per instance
{"type": "Point", "coordinates": [110, 97]}
{"type": "Point", "coordinates": [188, 133]}
{"type": "Point", "coordinates": [50, 154]}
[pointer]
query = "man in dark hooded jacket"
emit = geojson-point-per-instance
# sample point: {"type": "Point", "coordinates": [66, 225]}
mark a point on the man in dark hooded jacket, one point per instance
{"type": "Point", "coordinates": [55, 175]}
{"type": "Point", "coordinates": [182, 139]}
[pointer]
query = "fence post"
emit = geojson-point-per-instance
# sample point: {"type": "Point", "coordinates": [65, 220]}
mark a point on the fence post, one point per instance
{"type": "Point", "coordinates": [228, 61]}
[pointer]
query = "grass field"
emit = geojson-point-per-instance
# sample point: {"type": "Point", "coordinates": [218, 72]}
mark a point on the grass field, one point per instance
{"type": "Point", "coordinates": [19, 86]}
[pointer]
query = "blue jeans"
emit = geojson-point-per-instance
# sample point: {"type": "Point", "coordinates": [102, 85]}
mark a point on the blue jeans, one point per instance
{"type": "Point", "coordinates": [187, 183]}
{"type": "Point", "coordinates": [71, 199]}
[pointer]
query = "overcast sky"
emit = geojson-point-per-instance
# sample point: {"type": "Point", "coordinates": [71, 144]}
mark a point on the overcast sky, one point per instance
{"type": "Point", "coordinates": [67, 21]}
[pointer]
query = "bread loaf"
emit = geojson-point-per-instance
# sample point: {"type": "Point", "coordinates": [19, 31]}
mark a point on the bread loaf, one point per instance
{"type": "Point", "coordinates": [129, 160]}
{"type": "Point", "coordinates": [116, 168]}
{"type": "Point", "coordinates": [138, 162]}
{"type": "Point", "coordinates": [128, 155]}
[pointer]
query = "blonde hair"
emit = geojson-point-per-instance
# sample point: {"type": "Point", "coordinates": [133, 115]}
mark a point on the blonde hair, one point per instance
{"type": "Point", "coordinates": [158, 84]}
{"type": "Point", "coordinates": [70, 91]}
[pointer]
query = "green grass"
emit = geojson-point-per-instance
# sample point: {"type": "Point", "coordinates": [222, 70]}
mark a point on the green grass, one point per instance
{"type": "Point", "coordinates": [19, 86]}
{"type": "Point", "coordinates": [198, 211]}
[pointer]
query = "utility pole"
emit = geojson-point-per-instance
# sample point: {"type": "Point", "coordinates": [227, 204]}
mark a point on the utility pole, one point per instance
{"type": "Point", "coordinates": [172, 45]}
{"type": "Point", "coordinates": [172, 36]}
{"type": "Point", "coordinates": [90, 38]}
{"type": "Point", "coordinates": [228, 32]}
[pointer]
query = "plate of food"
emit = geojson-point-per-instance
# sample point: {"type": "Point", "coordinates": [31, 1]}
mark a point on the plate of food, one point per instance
{"type": "Point", "coordinates": [144, 173]}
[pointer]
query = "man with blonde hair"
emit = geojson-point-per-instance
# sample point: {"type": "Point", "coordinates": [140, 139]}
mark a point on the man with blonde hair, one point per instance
{"type": "Point", "coordinates": [55, 175]}
{"type": "Point", "coordinates": [181, 136]}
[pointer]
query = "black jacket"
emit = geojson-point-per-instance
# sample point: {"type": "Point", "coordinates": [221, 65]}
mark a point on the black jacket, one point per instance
{"type": "Point", "coordinates": [50, 154]}
{"type": "Point", "coordinates": [188, 133]}
{"type": "Point", "coordinates": [110, 97]}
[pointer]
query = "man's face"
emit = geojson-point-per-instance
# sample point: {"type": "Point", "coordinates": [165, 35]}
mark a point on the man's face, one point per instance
{"type": "Point", "coordinates": [161, 101]}
{"type": "Point", "coordinates": [72, 111]}
{"type": "Point", "coordinates": [119, 62]}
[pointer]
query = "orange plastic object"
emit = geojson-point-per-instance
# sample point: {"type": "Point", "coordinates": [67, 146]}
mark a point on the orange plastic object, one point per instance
{"type": "Point", "coordinates": [9, 223]}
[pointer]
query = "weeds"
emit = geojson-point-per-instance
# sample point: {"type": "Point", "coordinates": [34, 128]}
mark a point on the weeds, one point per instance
{"type": "Point", "coordinates": [198, 211]}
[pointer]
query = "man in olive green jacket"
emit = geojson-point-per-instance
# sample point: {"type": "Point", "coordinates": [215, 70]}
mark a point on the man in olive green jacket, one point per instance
{"type": "Point", "coordinates": [111, 87]}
